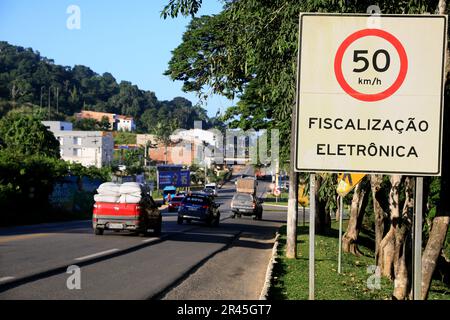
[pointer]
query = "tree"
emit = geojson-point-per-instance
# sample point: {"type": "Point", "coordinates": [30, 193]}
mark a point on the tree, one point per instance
{"type": "Point", "coordinates": [380, 207]}
{"type": "Point", "coordinates": [26, 135]}
{"type": "Point", "coordinates": [104, 124]}
{"type": "Point", "coordinates": [358, 208]}
{"type": "Point", "coordinates": [253, 56]}
{"type": "Point", "coordinates": [86, 124]}
{"type": "Point", "coordinates": [163, 132]}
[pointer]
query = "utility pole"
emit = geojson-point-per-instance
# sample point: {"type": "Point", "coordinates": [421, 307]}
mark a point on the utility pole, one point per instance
{"type": "Point", "coordinates": [41, 96]}
{"type": "Point", "coordinates": [49, 96]}
{"type": "Point", "coordinates": [204, 160]}
{"type": "Point", "coordinates": [145, 154]}
{"type": "Point", "coordinates": [57, 99]}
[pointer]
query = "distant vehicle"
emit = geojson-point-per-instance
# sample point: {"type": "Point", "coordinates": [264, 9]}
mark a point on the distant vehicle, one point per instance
{"type": "Point", "coordinates": [209, 191]}
{"type": "Point", "coordinates": [213, 187]}
{"type": "Point", "coordinates": [175, 203]}
{"type": "Point", "coordinates": [168, 193]}
{"type": "Point", "coordinates": [246, 204]}
{"type": "Point", "coordinates": [245, 201]}
{"type": "Point", "coordinates": [199, 207]}
{"type": "Point", "coordinates": [285, 185]}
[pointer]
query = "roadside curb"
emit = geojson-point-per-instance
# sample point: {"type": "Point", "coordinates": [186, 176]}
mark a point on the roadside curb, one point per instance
{"type": "Point", "coordinates": [280, 206]}
{"type": "Point", "coordinates": [269, 272]}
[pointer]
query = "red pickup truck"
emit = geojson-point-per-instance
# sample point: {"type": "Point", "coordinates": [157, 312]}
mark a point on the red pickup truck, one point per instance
{"type": "Point", "coordinates": [143, 217]}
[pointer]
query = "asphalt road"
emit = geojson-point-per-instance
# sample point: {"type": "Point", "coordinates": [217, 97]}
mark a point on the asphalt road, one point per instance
{"type": "Point", "coordinates": [34, 259]}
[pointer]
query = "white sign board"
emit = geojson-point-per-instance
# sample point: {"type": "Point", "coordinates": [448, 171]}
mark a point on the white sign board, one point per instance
{"type": "Point", "coordinates": [370, 93]}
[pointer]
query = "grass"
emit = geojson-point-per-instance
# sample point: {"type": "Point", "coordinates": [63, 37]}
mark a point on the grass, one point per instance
{"type": "Point", "coordinates": [290, 276]}
{"type": "Point", "coordinates": [282, 199]}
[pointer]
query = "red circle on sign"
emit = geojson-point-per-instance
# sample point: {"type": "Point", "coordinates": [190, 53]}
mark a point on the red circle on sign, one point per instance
{"type": "Point", "coordinates": [376, 96]}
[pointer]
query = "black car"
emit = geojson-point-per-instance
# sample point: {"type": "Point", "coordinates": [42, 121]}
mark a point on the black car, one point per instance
{"type": "Point", "coordinates": [199, 207]}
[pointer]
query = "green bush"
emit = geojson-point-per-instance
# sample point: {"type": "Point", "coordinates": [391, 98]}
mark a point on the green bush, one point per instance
{"type": "Point", "coordinates": [25, 185]}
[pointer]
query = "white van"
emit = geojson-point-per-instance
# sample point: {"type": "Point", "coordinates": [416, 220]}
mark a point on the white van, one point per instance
{"type": "Point", "coordinates": [212, 186]}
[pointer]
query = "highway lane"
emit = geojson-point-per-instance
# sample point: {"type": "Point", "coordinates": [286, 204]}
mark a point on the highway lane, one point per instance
{"type": "Point", "coordinates": [114, 262]}
{"type": "Point", "coordinates": [45, 247]}
{"type": "Point", "coordinates": [30, 250]}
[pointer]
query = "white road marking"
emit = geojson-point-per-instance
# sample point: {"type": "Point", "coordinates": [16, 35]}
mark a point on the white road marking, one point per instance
{"type": "Point", "coordinates": [97, 254]}
{"type": "Point", "coordinates": [149, 240]}
{"type": "Point", "coordinates": [4, 279]}
{"type": "Point", "coordinates": [210, 234]}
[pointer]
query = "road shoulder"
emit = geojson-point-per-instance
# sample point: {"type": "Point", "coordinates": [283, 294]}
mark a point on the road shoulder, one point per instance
{"type": "Point", "coordinates": [236, 273]}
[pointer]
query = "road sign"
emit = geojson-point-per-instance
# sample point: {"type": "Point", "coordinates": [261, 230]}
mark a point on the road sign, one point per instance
{"type": "Point", "coordinates": [303, 198]}
{"type": "Point", "coordinates": [370, 99]}
{"type": "Point", "coordinates": [347, 181]}
{"type": "Point", "coordinates": [277, 192]}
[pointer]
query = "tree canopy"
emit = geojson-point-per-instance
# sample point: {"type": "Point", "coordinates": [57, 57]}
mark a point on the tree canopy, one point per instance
{"type": "Point", "coordinates": [26, 135]}
{"type": "Point", "coordinates": [249, 50]}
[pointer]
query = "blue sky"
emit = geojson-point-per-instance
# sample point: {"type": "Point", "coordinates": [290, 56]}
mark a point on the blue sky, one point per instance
{"type": "Point", "coordinates": [126, 38]}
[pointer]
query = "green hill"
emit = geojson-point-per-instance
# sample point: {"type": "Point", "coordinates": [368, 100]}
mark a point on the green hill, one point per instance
{"type": "Point", "coordinates": [27, 78]}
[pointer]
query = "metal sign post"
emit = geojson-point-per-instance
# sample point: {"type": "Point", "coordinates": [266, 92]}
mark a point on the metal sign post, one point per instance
{"type": "Point", "coordinates": [417, 285]}
{"type": "Point", "coordinates": [304, 215]}
{"type": "Point", "coordinates": [341, 212]}
{"type": "Point", "coordinates": [312, 231]}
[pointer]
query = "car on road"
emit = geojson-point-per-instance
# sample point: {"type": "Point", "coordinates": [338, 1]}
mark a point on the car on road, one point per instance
{"type": "Point", "coordinates": [143, 217]}
{"type": "Point", "coordinates": [246, 204]}
{"type": "Point", "coordinates": [212, 188]}
{"type": "Point", "coordinates": [175, 203]}
{"type": "Point", "coordinates": [209, 192]}
{"type": "Point", "coordinates": [285, 185]}
{"type": "Point", "coordinates": [199, 207]}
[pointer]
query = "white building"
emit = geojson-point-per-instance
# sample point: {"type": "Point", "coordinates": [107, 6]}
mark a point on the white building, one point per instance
{"type": "Point", "coordinates": [89, 148]}
{"type": "Point", "coordinates": [208, 144]}
{"type": "Point", "coordinates": [125, 123]}
{"type": "Point", "coordinates": [198, 136]}
{"type": "Point", "coordinates": [54, 126]}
